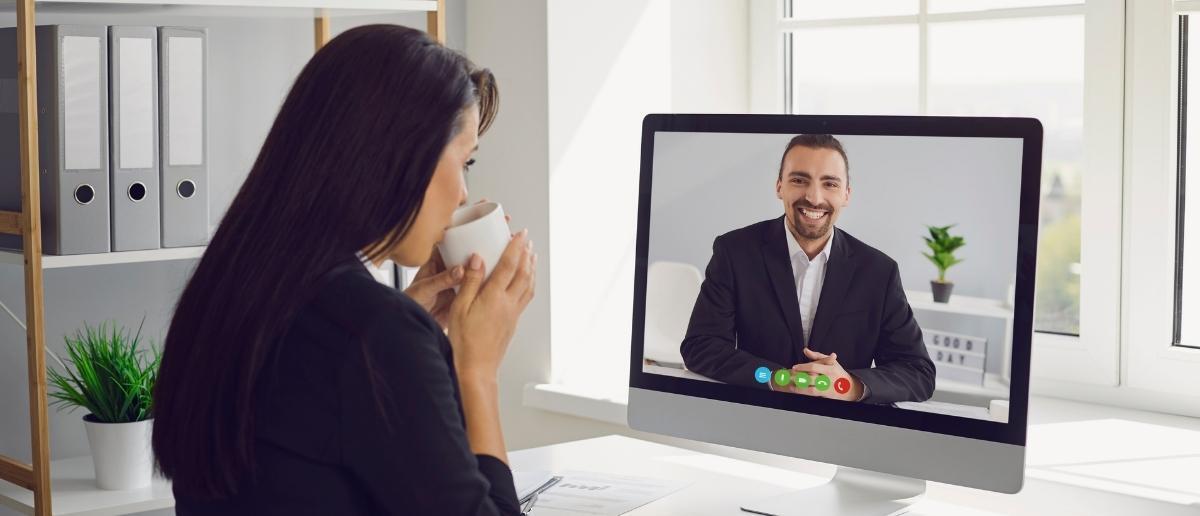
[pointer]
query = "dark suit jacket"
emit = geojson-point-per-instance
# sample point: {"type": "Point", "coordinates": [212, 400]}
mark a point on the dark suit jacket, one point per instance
{"type": "Point", "coordinates": [747, 316]}
{"type": "Point", "coordinates": [359, 413]}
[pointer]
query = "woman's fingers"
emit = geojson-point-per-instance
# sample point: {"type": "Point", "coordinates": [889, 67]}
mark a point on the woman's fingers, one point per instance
{"type": "Point", "coordinates": [426, 290]}
{"type": "Point", "coordinates": [525, 292]}
{"type": "Point", "coordinates": [524, 274]}
{"type": "Point", "coordinates": [472, 278]}
{"type": "Point", "coordinates": [510, 261]}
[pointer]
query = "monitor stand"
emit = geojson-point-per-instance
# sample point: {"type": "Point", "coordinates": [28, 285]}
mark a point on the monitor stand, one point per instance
{"type": "Point", "coordinates": [851, 492]}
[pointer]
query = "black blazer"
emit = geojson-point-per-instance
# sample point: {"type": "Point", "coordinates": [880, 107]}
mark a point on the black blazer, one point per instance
{"type": "Point", "coordinates": [747, 316]}
{"type": "Point", "coordinates": [359, 413]}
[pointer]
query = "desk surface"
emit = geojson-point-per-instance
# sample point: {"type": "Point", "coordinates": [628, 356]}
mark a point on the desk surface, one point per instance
{"type": "Point", "coordinates": [718, 484]}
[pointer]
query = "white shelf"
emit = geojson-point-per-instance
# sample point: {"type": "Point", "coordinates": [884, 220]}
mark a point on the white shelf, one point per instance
{"type": "Point", "coordinates": [239, 8]}
{"type": "Point", "coordinates": [9, 256]}
{"type": "Point", "coordinates": [74, 492]}
{"type": "Point", "coordinates": [980, 306]}
{"type": "Point", "coordinates": [993, 387]}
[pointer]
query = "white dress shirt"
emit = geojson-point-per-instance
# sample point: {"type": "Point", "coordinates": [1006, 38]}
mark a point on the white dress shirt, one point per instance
{"type": "Point", "coordinates": [382, 274]}
{"type": "Point", "coordinates": [809, 275]}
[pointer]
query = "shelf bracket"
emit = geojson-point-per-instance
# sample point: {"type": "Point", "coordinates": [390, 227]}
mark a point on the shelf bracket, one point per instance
{"type": "Point", "coordinates": [16, 472]}
{"type": "Point", "coordinates": [435, 22]}
{"type": "Point", "coordinates": [38, 474]}
{"type": "Point", "coordinates": [321, 32]}
{"type": "Point", "coordinates": [10, 222]}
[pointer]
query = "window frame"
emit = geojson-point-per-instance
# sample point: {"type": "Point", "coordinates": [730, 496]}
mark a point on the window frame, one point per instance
{"type": "Point", "coordinates": [1094, 357]}
{"type": "Point", "coordinates": [1153, 362]}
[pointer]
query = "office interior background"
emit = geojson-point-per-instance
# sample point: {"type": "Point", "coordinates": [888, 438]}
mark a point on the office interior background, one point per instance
{"type": "Point", "coordinates": [1118, 293]}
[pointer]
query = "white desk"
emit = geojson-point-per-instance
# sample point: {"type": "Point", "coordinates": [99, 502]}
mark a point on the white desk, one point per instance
{"type": "Point", "coordinates": [718, 484]}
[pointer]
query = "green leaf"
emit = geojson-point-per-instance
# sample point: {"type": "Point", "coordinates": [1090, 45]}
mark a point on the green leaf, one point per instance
{"type": "Point", "coordinates": [107, 374]}
{"type": "Point", "coordinates": [942, 245]}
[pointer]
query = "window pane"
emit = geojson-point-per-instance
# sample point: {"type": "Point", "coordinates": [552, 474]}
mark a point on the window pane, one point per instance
{"type": "Point", "coordinates": [825, 9]}
{"type": "Point", "coordinates": [1190, 288]}
{"type": "Point", "coordinates": [855, 70]}
{"type": "Point", "coordinates": [952, 6]}
{"type": "Point", "coordinates": [978, 69]}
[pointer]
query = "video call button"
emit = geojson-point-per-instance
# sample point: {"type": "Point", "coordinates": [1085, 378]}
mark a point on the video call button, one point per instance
{"type": "Point", "coordinates": [821, 383]}
{"type": "Point", "coordinates": [802, 380]}
{"type": "Point", "coordinates": [762, 375]}
{"type": "Point", "coordinates": [842, 385]}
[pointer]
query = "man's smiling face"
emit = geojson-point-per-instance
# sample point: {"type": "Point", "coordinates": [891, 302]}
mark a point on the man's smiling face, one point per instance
{"type": "Point", "coordinates": [814, 187]}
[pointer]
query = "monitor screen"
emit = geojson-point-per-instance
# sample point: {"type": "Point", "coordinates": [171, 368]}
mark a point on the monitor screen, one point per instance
{"type": "Point", "coordinates": [874, 268]}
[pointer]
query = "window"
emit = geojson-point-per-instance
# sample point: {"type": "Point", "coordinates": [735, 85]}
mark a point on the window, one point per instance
{"type": "Point", "coordinates": [1162, 222]}
{"type": "Point", "coordinates": [1187, 221]}
{"type": "Point", "coordinates": [959, 58]}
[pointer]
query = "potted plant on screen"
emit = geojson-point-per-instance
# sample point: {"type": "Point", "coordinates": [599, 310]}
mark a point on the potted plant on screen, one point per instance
{"type": "Point", "coordinates": [942, 246]}
{"type": "Point", "coordinates": [107, 374]}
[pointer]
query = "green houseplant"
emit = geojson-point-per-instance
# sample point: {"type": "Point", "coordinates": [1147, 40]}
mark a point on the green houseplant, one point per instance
{"type": "Point", "coordinates": [942, 246]}
{"type": "Point", "coordinates": [108, 375]}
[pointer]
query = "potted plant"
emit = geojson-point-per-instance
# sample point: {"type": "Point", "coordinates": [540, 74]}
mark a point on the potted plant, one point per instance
{"type": "Point", "coordinates": [942, 246]}
{"type": "Point", "coordinates": [106, 374]}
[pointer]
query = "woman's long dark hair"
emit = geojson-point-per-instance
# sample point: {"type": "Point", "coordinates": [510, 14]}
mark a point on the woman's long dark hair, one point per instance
{"type": "Point", "coordinates": [344, 167]}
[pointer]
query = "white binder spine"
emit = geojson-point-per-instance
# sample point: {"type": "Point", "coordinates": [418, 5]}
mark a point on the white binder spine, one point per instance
{"type": "Point", "coordinates": [134, 117]}
{"type": "Point", "coordinates": [72, 91]}
{"type": "Point", "coordinates": [184, 140]}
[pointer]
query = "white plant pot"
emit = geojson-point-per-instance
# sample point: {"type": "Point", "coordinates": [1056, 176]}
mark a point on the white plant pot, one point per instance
{"type": "Point", "coordinates": [121, 453]}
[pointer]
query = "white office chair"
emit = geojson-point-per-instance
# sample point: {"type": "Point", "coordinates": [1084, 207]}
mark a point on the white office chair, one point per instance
{"type": "Point", "coordinates": [671, 290]}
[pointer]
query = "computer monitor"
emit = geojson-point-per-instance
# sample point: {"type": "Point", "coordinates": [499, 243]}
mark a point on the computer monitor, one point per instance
{"type": "Point", "coordinates": [784, 298]}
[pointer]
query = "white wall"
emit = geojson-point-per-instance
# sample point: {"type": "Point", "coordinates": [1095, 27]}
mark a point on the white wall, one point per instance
{"type": "Point", "coordinates": [513, 168]}
{"type": "Point", "coordinates": [709, 183]}
{"type": "Point", "coordinates": [608, 68]}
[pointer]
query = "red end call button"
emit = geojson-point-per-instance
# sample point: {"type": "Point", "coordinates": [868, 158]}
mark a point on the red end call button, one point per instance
{"type": "Point", "coordinates": [842, 385]}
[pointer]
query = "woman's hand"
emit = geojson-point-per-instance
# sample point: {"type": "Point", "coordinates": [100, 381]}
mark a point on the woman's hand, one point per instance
{"type": "Point", "coordinates": [484, 315]}
{"type": "Point", "coordinates": [433, 287]}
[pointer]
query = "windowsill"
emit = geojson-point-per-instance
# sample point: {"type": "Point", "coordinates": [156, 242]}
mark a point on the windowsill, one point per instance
{"type": "Point", "coordinates": [1115, 450]}
{"type": "Point", "coordinates": [576, 402]}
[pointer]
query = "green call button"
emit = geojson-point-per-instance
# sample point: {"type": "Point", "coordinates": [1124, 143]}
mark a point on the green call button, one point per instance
{"type": "Point", "coordinates": [822, 383]}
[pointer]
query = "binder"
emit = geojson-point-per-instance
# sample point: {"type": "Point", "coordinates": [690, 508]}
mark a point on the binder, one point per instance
{"type": "Point", "coordinates": [183, 154]}
{"type": "Point", "coordinates": [72, 91]}
{"type": "Point", "coordinates": [133, 131]}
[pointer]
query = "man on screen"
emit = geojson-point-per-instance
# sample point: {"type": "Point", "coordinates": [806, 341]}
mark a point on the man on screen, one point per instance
{"type": "Point", "coordinates": [797, 293]}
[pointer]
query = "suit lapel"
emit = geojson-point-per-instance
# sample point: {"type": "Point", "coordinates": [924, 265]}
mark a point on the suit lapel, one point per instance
{"type": "Point", "coordinates": [779, 270]}
{"type": "Point", "coordinates": [838, 274]}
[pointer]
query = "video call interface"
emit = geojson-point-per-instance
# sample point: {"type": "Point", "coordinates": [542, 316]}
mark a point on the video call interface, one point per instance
{"type": "Point", "coordinates": [862, 268]}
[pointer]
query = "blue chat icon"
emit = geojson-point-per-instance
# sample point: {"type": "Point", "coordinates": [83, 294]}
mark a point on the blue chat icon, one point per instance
{"type": "Point", "coordinates": [762, 375]}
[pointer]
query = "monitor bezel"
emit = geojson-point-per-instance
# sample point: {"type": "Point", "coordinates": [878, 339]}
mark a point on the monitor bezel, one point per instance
{"type": "Point", "coordinates": [1029, 130]}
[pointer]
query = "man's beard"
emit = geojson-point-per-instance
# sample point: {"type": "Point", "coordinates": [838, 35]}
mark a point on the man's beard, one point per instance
{"type": "Point", "coordinates": [811, 232]}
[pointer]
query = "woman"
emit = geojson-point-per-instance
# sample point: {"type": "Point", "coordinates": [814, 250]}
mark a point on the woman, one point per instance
{"type": "Point", "coordinates": [292, 382]}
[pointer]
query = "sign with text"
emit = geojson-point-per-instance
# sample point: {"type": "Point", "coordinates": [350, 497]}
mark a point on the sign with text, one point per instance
{"type": "Point", "coordinates": [958, 358]}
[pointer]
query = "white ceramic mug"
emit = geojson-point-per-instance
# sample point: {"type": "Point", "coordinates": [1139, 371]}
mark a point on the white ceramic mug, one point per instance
{"type": "Point", "coordinates": [478, 229]}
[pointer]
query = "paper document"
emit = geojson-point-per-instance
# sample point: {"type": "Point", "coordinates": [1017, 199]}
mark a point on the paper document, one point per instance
{"type": "Point", "coordinates": [597, 493]}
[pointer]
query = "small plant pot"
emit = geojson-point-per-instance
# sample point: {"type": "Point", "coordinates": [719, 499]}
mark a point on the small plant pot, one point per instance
{"type": "Point", "coordinates": [121, 453]}
{"type": "Point", "coordinates": [941, 291]}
